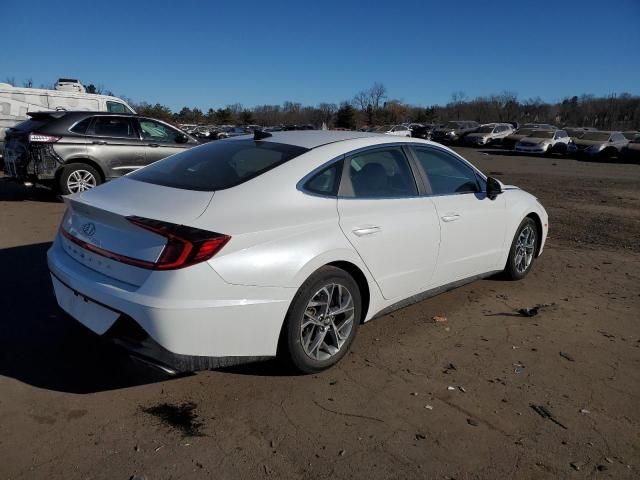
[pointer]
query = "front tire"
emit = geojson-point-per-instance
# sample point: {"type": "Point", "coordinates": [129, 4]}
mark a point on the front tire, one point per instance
{"type": "Point", "coordinates": [523, 250]}
{"type": "Point", "coordinates": [78, 177]}
{"type": "Point", "coordinates": [322, 320]}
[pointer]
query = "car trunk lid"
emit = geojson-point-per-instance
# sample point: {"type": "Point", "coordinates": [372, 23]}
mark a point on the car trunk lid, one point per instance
{"type": "Point", "coordinates": [98, 234]}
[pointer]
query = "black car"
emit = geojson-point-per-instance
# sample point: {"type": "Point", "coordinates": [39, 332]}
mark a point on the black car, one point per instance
{"type": "Point", "coordinates": [422, 131]}
{"type": "Point", "coordinates": [75, 151]}
{"type": "Point", "coordinates": [454, 131]}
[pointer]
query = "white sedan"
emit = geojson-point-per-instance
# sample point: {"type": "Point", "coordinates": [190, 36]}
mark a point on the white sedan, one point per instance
{"type": "Point", "coordinates": [396, 130]}
{"type": "Point", "coordinates": [544, 141]}
{"type": "Point", "coordinates": [282, 243]}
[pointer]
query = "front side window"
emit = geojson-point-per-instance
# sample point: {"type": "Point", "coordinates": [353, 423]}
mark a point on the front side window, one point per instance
{"type": "Point", "coordinates": [382, 173]}
{"type": "Point", "coordinates": [156, 131]}
{"type": "Point", "coordinates": [446, 174]}
{"type": "Point", "coordinates": [119, 127]}
{"type": "Point", "coordinates": [217, 165]}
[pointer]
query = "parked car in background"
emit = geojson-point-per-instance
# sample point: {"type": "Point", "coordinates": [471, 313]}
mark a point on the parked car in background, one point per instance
{"type": "Point", "coordinates": [191, 264]}
{"type": "Point", "coordinates": [631, 151]}
{"type": "Point", "coordinates": [489, 133]}
{"type": "Point", "coordinates": [577, 132]}
{"type": "Point", "coordinates": [422, 131]}
{"type": "Point", "coordinates": [544, 141]}
{"type": "Point", "coordinates": [631, 135]}
{"type": "Point", "coordinates": [454, 131]}
{"type": "Point", "coordinates": [76, 151]}
{"type": "Point", "coordinates": [397, 130]}
{"type": "Point", "coordinates": [510, 140]}
{"type": "Point", "coordinates": [69, 94]}
{"type": "Point", "coordinates": [598, 145]}
{"type": "Point", "coordinates": [229, 132]}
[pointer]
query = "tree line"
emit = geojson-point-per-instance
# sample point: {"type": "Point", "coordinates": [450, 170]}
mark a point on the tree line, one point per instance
{"type": "Point", "coordinates": [374, 106]}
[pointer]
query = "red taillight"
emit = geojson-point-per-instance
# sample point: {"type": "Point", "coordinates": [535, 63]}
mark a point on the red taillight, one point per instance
{"type": "Point", "coordinates": [185, 245]}
{"type": "Point", "coordinates": [42, 138]}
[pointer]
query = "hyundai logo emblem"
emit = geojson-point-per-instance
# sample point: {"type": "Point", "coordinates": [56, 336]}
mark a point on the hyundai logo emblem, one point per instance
{"type": "Point", "coordinates": [89, 229]}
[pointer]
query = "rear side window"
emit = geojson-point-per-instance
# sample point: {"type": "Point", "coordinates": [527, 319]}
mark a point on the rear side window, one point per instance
{"type": "Point", "coordinates": [81, 127]}
{"type": "Point", "coordinates": [380, 173]}
{"type": "Point", "coordinates": [326, 182]}
{"type": "Point", "coordinates": [446, 174]}
{"type": "Point", "coordinates": [217, 165]}
{"type": "Point", "coordinates": [119, 127]}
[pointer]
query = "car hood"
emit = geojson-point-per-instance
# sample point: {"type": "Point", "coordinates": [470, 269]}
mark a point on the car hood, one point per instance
{"type": "Point", "coordinates": [535, 140]}
{"type": "Point", "coordinates": [633, 146]}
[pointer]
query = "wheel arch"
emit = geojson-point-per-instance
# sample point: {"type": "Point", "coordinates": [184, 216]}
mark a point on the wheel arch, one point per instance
{"type": "Point", "coordinates": [87, 161]}
{"type": "Point", "coordinates": [361, 280]}
{"type": "Point", "coordinates": [536, 218]}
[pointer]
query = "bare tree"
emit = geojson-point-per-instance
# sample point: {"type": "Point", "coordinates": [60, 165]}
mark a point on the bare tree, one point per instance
{"type": "Point", "coordinates": [10, 80]}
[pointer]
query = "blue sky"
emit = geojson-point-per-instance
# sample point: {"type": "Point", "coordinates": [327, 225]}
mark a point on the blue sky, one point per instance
{"type": "Point", "coordinates": [210, 54]}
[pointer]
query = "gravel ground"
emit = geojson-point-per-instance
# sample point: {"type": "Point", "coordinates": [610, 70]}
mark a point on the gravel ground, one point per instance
{"type": "Point", "coordinates": [414, 399]}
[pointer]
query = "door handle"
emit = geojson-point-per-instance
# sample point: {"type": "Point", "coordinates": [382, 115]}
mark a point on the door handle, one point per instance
{"type": "Point", "coordinates": [99, 142]}
{"type": "Point", "coordinates": [368, 230]}
{"type": "Point", "coordinates": [451, 217]}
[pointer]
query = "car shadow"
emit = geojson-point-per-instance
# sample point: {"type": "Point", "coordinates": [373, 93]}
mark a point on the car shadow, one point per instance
{"type": "Point", "coordinates": [41, 346]}
{"type": "Point", "coordinates": [11, 191]}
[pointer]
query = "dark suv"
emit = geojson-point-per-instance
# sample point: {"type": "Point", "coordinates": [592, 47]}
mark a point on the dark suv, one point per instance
{"type": "Point", "coordinates": [75, 151]}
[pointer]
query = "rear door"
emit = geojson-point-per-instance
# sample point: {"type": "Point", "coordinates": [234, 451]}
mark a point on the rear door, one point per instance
{"type": "Point", "coordinates": [394, 229]}
{"type": "Point", "coordinates": [115, 144]}
{"type": "Point", "coordinates": [160, 140]}
{"type": "Point", "coordinates": [472, 225]}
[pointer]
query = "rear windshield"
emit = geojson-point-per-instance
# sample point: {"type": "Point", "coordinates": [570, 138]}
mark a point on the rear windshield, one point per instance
{"type": "Point", "coordinates": [217, 165]}
{"type": "Point", "coordinates": [31, 125]}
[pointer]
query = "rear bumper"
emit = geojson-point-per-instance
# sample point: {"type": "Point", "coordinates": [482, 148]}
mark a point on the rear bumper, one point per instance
{"type": "Point", "coordinates": [184, 320]}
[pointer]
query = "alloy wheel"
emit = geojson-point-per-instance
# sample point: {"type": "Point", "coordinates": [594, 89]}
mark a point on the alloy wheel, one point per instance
{"type": "Point", "coordinates": [80, 181]}
{"type": "Point", "coordinates": [525, 247]}
{"type": "Point", "coordinates": [327, 321]}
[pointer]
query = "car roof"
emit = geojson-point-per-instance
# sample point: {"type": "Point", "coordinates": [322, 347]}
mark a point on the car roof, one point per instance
{"type": "Point", "coordinates": [314, 138]}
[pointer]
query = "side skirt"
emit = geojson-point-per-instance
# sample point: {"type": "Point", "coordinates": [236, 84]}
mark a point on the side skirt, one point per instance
{"type": "Point", "coordinates": [431, 293]}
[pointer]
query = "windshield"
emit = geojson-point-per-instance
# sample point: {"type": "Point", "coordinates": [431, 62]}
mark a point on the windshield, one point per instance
{"type": "Point", "coordinates": [631, 135]}
{"type": "Point", "coordinates": [596, 136]}
{"type": "Point", "coordinates": [541, 134]}
{"type": "Point", "coordinates": [453, 125]}
{"type": "Point", "coordinates": [485, 130]}
{"type": "Point", "coordinates": [218, 165]}
{"type": "Point", "coordinates": [525, 131]}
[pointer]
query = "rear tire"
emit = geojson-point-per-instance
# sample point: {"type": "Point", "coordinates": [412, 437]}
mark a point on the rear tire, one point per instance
{"type": "Point", "coordinates": [523, 250]}
{"type": "Point", "coordinates": [78, 177]}
{"type": "Point", "coordinates": [322, 320]}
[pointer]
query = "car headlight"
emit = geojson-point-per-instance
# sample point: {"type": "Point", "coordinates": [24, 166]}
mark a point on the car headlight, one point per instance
{"type": "Point", "coordinates": [594, 148]}
{"type": "Point", "coordinates": [449, 133]}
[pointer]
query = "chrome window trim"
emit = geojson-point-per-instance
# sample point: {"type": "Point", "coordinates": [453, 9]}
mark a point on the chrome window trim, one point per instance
{"type": "Point", "coordinates": [137, 137]}
{"type": "Point", "coordinates": [300, 185]}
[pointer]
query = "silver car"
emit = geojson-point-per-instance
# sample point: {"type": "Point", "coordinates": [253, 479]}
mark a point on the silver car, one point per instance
{"type": "Point", "coordinates": [598, 145]}
{"type": "Point", "coordinates": [489, 133]}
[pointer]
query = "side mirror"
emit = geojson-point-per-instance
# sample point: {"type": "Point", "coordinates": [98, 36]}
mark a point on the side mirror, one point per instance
{"type": "Point", "coordinates": [493, 188]}
{"type": "Point", "coordinates": [181, 138]}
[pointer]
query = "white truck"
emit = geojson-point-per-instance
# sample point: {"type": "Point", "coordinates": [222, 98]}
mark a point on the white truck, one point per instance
{"type": "Point", "coordinates": [69, 94]}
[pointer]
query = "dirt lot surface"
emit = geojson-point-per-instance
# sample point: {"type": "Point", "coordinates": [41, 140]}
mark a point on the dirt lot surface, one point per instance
{"type": "Point", "coordinates": [414, 399]}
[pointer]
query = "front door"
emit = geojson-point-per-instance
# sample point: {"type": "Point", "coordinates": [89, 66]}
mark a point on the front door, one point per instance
{"type": "Point", "coordinates": [160, 139]}
{"type": "Point", "coordinates": [394, 230]}
{"type": "Point", "coordinates": [472, 225]}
